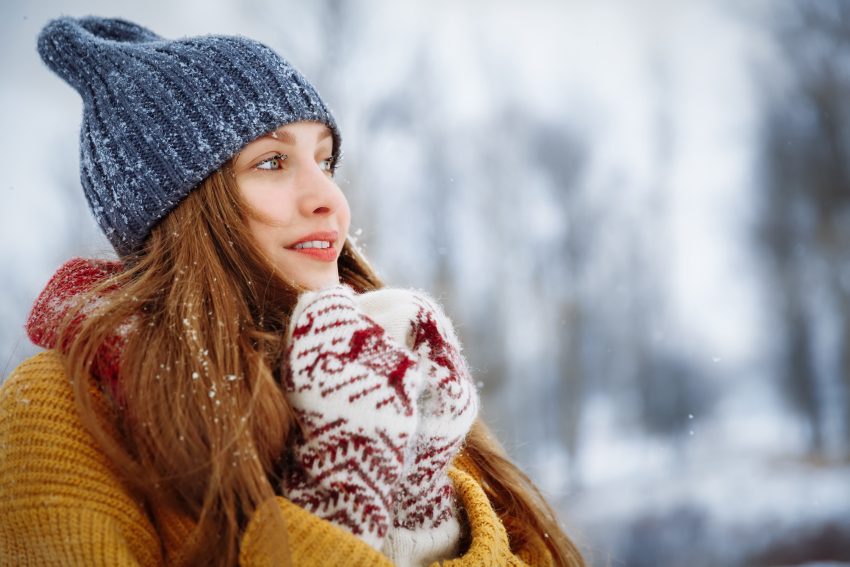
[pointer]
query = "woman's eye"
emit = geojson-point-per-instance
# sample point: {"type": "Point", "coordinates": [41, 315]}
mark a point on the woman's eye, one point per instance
{"type": "Point", "coordinates": [273, 163]}
{"type": "Point", "coordinates": [327, 165]}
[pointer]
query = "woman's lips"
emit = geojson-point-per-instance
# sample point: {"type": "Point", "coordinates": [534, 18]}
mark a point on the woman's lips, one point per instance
{"type": "Point", "coordinates": [321, 254]}
{"type": "Point", "coordinates": [312, 241]}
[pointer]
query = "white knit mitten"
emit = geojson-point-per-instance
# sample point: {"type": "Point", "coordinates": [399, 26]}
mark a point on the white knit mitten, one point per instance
{"type": "Point", "coordinates": [354, 391]}
{"type": "Point", "coordinates": [424, 517]}
{"type": "Point", "coordinates": [447, 407]}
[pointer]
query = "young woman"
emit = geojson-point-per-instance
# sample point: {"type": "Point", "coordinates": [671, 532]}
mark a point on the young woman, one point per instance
{"type": "Point", "coordinates": [239, 387]}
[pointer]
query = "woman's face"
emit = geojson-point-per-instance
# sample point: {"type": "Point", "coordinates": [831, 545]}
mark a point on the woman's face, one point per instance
{"type": "Point", "coordinates": [301, 217]}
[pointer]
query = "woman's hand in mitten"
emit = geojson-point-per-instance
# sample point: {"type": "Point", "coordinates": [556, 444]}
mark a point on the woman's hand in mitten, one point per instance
{"type": "Point", "coordinates": [448, 402]}
{"type": "Point", "coordinates": [354, 393]}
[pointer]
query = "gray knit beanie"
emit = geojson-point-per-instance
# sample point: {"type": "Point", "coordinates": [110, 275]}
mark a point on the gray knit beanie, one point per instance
{"type": "Point", "coordinates": [161, 115]}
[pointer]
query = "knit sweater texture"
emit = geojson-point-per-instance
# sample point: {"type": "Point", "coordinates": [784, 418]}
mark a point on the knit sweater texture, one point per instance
{"type": "Point", "coordinates": [62, 503]}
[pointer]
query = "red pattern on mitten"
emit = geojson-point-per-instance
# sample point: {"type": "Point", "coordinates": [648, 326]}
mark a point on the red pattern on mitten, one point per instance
{"type": "Point", "coordinates": [354, 391]}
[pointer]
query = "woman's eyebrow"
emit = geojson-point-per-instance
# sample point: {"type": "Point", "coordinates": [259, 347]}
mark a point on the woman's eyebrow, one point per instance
{"type": "Point", "coordinates": [281, 136]}
{"type": "Point", "coordinates": [288, 138]}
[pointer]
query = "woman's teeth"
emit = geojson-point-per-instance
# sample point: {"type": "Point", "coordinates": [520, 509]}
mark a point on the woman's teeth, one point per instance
{"type": "Point", "coordinates": [313, 244]}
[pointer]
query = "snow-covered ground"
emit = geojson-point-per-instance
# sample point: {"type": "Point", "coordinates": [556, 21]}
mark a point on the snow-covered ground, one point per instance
{"type": "Point", "coordinates": [729, 511]}
{"type": "Point", "coordinates": [735, 490]}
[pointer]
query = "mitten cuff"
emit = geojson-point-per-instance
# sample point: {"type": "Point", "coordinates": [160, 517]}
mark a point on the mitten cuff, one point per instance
{"type": "Point", "coordinates": [423, 546]}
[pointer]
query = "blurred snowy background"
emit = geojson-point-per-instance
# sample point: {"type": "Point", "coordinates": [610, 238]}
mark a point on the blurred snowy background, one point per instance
{"type": "Point", "coordinates": [637, 213]}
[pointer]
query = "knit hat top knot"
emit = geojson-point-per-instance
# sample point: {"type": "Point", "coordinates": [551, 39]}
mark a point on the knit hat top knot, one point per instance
{"type": "Point", "coordinates": [161, 115]}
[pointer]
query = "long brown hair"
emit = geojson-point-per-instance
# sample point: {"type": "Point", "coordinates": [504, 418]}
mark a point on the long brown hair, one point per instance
{"type": "Point", "coordinates": [200, 422]}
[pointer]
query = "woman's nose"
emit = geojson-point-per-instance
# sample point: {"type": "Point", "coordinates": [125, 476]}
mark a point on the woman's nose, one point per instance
{"type": "Point", "coordinates": [320, 193]}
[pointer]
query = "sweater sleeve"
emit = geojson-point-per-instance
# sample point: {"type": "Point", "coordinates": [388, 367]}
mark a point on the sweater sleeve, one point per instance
{"type": "Point", "coordinates": [60, 502]}
{"type": "Point", "coordinates": [312, 540]}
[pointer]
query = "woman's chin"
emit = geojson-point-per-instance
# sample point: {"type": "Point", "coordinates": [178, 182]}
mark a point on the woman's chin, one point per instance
{"type": "Point", "coordinates": [318, 282]}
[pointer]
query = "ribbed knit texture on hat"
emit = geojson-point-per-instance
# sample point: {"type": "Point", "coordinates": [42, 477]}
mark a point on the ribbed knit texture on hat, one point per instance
{"type": "Point", "coordinates": [161, 115]}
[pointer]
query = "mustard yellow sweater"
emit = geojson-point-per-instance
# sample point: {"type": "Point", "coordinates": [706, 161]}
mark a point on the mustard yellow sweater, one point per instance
{"type": "Point", "coordinates": [62, 504]}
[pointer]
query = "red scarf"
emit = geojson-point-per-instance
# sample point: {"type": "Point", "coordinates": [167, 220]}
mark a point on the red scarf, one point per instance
{"type": "Point", "coordinates": [63, 292]}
